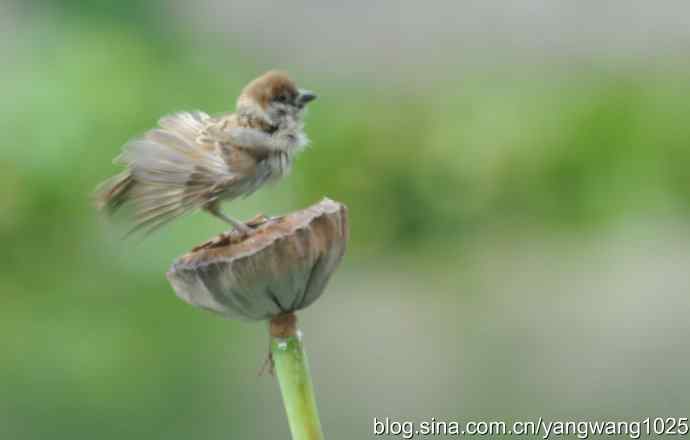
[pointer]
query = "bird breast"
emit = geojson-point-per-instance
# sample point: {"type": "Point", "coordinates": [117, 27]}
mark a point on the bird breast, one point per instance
{"type": "Point", "coordinates": [278, 165]}
{"type": "Point", "coordinates": [268, 170]}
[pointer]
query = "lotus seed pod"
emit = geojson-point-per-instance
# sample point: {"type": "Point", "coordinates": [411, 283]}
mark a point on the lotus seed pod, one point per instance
{"type": "Point", "coordinates": [282, 267]}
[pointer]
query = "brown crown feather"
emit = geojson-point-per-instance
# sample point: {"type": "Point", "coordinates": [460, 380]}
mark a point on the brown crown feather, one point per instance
{"type": "Point", "coordinates": [269, 85]}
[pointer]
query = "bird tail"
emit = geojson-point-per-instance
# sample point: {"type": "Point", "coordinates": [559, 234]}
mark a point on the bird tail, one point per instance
{"type": "Point", "coordinates": [154, 204]}
{"type": "Point", "coordinates": [113, 193]}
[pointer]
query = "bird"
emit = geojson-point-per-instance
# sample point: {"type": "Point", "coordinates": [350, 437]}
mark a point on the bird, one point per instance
{"type": "Point", "coordinates": [193, 161]}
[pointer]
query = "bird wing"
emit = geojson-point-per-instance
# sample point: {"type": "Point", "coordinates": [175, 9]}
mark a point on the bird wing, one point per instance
{"type": "Point", "coordinates": [177, 168]}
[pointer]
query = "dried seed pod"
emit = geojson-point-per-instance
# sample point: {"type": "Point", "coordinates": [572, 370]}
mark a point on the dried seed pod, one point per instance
{"type": "Point", "coordinates": [282, 267]}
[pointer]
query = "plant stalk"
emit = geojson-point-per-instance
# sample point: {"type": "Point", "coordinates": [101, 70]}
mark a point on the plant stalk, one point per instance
{"type": "Point", "coordinates": [292, 368]}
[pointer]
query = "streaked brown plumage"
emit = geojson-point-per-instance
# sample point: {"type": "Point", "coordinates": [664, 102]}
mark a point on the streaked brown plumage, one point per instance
{"type": "Point", "coordinates": [194, 161]}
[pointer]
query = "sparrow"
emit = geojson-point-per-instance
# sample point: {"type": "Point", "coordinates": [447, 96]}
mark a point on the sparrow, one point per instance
{"type": "Point", "coordinates": [193, 161]}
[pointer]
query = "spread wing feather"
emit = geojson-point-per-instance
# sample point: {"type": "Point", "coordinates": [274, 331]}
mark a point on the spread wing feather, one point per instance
{"type": "Point", "coordinates": [171, 171]}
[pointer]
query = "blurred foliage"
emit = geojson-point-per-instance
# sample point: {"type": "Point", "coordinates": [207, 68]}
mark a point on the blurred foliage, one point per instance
{"type": "Point", "coordinates": [574, 149]}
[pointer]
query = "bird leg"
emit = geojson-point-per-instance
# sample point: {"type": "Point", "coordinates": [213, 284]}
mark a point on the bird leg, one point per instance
{"type": "Point", "coordinates": [215, 211]}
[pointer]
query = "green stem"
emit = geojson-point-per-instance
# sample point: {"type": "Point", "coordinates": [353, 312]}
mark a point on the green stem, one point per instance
{"type": "Point", "coordinates": [292, 369]}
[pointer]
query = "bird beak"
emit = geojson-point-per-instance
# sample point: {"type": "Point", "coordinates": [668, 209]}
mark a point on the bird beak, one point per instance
{"type": "Point", "coordinates": [305, 96]}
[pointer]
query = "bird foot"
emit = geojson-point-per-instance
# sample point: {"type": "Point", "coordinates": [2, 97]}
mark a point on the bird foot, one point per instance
{"type": "Point", "coordinates": [257, 221]}
{"type": "Point", "coordinates": [243, 230]}
{"type": "Point", "coordinates": [246, 229]}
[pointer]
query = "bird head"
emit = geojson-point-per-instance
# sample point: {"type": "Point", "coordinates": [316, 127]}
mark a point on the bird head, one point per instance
{"type": "Point", "coordinates": [274, 98]}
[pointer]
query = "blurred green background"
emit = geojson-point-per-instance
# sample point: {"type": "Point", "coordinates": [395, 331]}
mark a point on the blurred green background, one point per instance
{"type": "Point", "coordinates": [518, 180]}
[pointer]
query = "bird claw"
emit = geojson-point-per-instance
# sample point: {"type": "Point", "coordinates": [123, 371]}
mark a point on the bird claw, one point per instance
{"type": "Point", "coordinates": [257, 221]}
{"type": "Point", "coordinates": [243, 230]}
